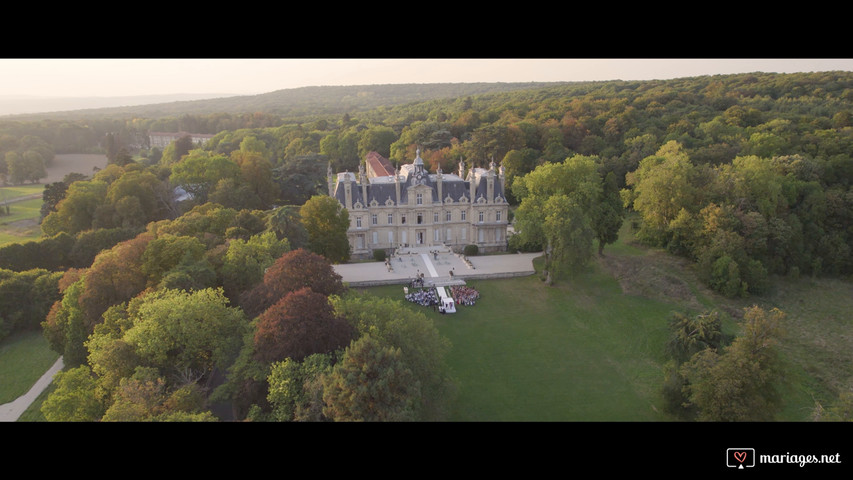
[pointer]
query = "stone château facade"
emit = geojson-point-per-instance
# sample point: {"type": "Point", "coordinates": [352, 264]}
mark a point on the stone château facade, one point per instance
{"type": "Point", "coordinates": [411, 207]}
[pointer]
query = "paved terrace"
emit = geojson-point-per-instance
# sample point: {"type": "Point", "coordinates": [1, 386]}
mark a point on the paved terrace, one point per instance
{"type": "Point", "coordinates": [436, 265]}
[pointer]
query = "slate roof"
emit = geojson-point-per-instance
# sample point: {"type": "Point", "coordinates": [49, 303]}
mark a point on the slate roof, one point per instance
{"type": "Point", "coordinates": [381, 188]}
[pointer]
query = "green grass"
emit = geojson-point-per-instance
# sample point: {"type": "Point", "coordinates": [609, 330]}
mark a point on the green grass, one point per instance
{"type": "Point", "coordinates": [10, 193]}
{"type": "Point", "coordinates": [577, 351]}
{"type": "Point", "coordinates": [24, 358]}
{"type": "Point", "coordinates": [10, 231]}
{"type": "Point", "coordinates": [582, 350]}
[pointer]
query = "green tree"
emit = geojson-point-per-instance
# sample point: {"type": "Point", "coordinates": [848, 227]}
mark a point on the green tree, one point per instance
{"type": "Point", "coordinates": [661, 187]}
{"type": "Point", "coordinates": [370, 384]}
{"type": "Point", "coordinates": [742, 382]}
{"type": "Point", "coordinates": [256, 172]}
{"type": "Point", "coordinates": [569, 235]}
{"type": "Point", "coordinates": [147, 192]}
{"type": "Point", "coordinates": [76, 212]}
{"type": "Point", "coordinates": [379, 139]}
{"type": "Point", "coordinates": [192, 333]}
{"type": "Point", "coordinates": [609, 213]}
{"type": "Point", "coordinates": [422, 348]}
{"type": "Point", "coordinates": [200, 171]}
{"type": "Point", "coordinates": [296, 388]}
{"type": "Point", "coordinates": [168, 252]}
{"type": "Point", "coordinates": [690, 334]}
{"type": "Point", "coordinates": [558, 201]}
{"type": "Point", "coordinates": [246, 261]}
{"type": "Point", "coordinates": [147, 397]}
{"type": "Point", "coordinates": [326, 222]}
{"type": "Point", "coordinates": [286, 223]}
{"type": "Point", "coordinates": [74, 399]}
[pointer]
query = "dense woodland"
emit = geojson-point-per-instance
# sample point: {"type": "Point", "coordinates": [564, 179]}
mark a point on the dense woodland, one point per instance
{"type": "Point", "coordinates": [749, 176]}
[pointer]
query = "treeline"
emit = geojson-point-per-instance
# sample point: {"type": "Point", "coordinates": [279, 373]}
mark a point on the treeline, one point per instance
{"type": "Point", "coordinates": [218, 307]}
{"type": "Point", "coordinates": [24, 159]}
{"type": "Point", "coordinates": [799, 123]}
{"type": "Point", "coordinates": [745, 220]}
{"type": "Point", "coordinates": [305, 104]}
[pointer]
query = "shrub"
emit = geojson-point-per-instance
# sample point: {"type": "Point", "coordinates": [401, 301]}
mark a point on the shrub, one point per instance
{"type": "Point", "coordinates": [518, 244]}
{"type": "Point", "coordinates": [471, 250]}
{"type": "Point", "coordinates": [379, 255]}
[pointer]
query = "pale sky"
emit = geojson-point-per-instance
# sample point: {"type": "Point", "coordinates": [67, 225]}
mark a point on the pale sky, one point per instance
{"type": "Point", "coordinates": [129, 77]}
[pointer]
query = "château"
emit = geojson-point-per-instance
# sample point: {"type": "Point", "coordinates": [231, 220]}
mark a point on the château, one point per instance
{"type": "Point", "coordinates": [410, 207]}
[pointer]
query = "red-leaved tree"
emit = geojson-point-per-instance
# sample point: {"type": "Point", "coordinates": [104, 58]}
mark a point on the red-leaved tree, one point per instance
{"type": "Point", "coordinates": [300, 324]}
{"type": "Point", "coordinates": [294, 270]}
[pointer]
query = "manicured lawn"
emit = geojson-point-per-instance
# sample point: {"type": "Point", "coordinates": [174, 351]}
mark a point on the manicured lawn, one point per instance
{"type": "Point", "coordinates": [578, 351]}
{"type": "Point", "coordinates": [24, 358]}
{"type": "Point", "coordinates": [582, 350]}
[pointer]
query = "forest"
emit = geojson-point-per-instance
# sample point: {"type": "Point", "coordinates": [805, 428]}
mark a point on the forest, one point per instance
{"type": "Point", "coordinates": [748, 176]}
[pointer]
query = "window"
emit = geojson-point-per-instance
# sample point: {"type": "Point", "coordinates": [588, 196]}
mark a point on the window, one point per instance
{"type": "Point", "coordinates": [448, 235]}
{"type": "Point", "coordinates": [436, 235]}
{"type": "Point", "coordinates": [497, 235]}
{"type": "Point", "coordinates": [435, 217]}
{"type": "Point", "coordinates": [482, 235]}
{"type": "Point", "coordinates": [420, 198]}
{"type": "Point", "coordinates": [374, 219]}
{"type": "Point", "coordinates": [357, 222]}
{"type": "Point", "coordinates": [391, 237]}
{"type": "Point", "coordinates": [390, 219]}
{"type": "Point", "coordinates": [403, 219]}
{"type": "Point", "coordinates": [447, 216]}
{"type": "Point", "coordinates": [375, 237]}
{"type": "Point", "coordinates": [360, 241]}
{"type": "Point", "coordinates": [464, 215]}
{"type": "Point", "coordinates": [498, 216]}
{"type": "Point", "coordinates": [481, 217]}
{"type": "Point", "coordinates": [420, 218]}
{"type": "Point", "coordinates": [464, 233]}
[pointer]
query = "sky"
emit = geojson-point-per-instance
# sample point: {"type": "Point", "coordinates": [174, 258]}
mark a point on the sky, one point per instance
{"type": "Point", "coordinates": [109, 77]}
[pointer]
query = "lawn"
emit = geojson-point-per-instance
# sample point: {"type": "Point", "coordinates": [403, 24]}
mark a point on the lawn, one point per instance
{"type": "Point", "coordinates": [24, 358]}
{"type": "Point", "coordinates": [591, 348]}
{"type": "Point", "coordinates": [17, 191]}
{"type": "Point", "coordinates": [21, 225]}
{"type": "Point", "coordinates": [578, 351]}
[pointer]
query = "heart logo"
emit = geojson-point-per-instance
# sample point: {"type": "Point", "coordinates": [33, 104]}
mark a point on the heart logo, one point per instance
{"type": "Point", "coordinates": [740, 456]}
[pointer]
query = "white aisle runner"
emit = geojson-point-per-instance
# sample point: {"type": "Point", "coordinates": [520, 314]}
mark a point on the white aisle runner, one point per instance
{"type": "Point", "coordinates": [446, 300]}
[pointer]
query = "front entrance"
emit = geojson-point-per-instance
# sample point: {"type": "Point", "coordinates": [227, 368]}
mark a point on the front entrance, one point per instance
{"type": "Point", "coordinates": [419, 236]}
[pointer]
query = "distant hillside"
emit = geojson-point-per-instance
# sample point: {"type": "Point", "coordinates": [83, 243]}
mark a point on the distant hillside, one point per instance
{"type": "Point", "coordinates": [29, 105]}
{"type": "Point", "coordinates": [296, 102]}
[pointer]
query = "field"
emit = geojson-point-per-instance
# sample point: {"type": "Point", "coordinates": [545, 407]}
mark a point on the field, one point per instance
{"type": "Point", "coordinates": [24, 201]}
{"type": "Point", "coordinates": [74, 163]}
{"type": "Point", "coordinates": [591, 348]}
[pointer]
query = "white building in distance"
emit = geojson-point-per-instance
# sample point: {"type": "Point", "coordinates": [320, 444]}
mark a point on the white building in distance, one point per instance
{"type": "Point", "coordinates": [163, 139]}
